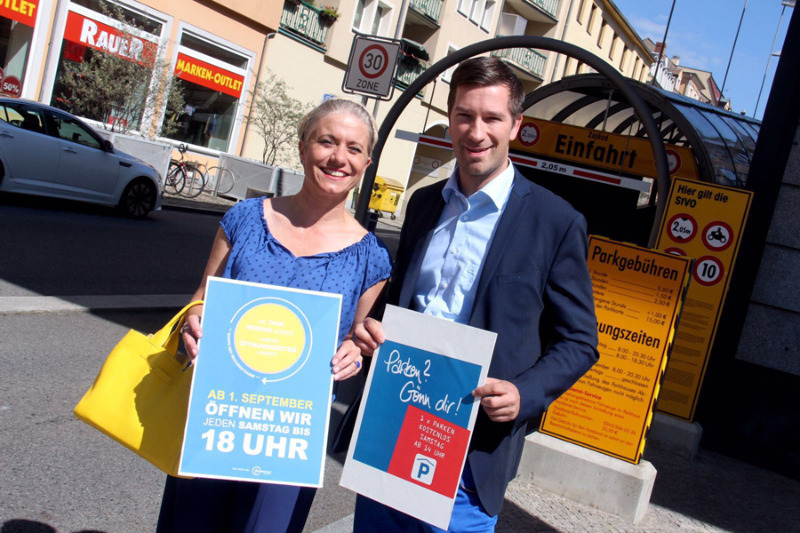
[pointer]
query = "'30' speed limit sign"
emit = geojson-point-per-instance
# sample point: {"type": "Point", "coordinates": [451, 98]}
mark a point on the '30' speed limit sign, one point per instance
{"type": "Point", "coordinates": [371, 66]}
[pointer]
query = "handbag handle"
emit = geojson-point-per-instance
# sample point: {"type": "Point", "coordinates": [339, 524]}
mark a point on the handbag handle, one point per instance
{"type": "Point", "coordinates": [168, 335]}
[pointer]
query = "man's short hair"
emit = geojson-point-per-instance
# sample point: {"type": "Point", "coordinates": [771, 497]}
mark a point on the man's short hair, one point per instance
{"type": "Point", "coordinates": [486, 71]}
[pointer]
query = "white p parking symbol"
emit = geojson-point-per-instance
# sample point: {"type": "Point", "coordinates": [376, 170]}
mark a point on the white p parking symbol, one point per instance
{"type": "Point", "coordinates": [423, 469]}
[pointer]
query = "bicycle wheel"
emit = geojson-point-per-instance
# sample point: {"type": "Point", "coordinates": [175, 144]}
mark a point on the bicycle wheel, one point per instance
{"type": "Point", "coordinates": [195, 181]}
{"type": "Point", "coordinates": [175, 179]}
{"type": "Point", "coordinates": [225, 179]}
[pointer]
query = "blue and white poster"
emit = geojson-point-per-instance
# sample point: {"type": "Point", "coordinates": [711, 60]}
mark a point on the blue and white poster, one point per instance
{"type": "Point", "coordinates": [416, 419]}
{"type": "Point", "coordinates": [262, 385]}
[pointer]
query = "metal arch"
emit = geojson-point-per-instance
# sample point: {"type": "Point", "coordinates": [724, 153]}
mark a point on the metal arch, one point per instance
{"type": "Point", "coordinates": [524, 41]}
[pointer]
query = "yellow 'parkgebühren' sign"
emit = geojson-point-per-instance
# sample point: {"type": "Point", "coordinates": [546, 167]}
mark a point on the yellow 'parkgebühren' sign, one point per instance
{"type": "Point", "coordinates": [637, 295]}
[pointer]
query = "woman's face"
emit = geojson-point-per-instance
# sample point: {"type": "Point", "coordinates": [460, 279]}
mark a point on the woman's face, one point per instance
{"type": "Point", "coordinates": [334, 155]}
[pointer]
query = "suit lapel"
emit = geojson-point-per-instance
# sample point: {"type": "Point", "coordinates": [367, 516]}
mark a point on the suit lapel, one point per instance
{"type": "Point", "coordinates": [504, 235]}
{"type": "Point", "coordinates": [424, 225]}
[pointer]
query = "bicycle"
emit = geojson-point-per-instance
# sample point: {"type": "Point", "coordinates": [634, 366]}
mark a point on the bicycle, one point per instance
{"type": "Point", "coordinates": [193, 178]}
{"type": "Point", "coordinates": [175, 179]}
{"type": "Point", "coordinates": [225, 179]}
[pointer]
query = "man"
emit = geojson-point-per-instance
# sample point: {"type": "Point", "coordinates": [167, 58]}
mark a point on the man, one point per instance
{"type": "Point", "coordinates": [490, 249]}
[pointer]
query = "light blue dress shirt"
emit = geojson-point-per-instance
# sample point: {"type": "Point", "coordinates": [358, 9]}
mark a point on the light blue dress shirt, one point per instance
{"type": "Point", "coordinates": [454, 259]}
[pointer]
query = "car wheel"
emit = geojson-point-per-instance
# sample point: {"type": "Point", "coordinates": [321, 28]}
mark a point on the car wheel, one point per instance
{"type": "Point", "coordinates": [138, 199]}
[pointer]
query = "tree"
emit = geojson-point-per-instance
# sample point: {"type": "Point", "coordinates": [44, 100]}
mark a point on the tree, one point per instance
{"type": "Point", "coordinates": [275, 115]}
{"type": "Point", "coordinates": [121, 85]}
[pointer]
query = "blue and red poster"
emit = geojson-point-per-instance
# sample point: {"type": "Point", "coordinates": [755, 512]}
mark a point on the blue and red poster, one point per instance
{"type": "Point", "coordinates": [416, 419]}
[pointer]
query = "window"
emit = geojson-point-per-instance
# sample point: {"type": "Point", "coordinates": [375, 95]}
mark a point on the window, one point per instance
{"type": "Point", "coordinates": [603, 25]}
{"type": "Point", "coordinates": [25, 117]}
{"type": "Point", "coordinates": [579, 14]}
{"type": "Point", "coordinates": [624, 58]}
{"type": "Point", "coordinates": [479, 12]}
{"type": "Point", "coordinates": [567, 67]}
{"type": "Point", "coordinates": [15, 45]}
{"type": "Point", "coordinates": [449, 72]}
{"type": "Point", "coordinates": [213, 78]}
{"type": "Point", "coordinates": [87, 33]}
{"type": "Point", "coordinates": [69, 130]}
{"type": "Point", "coordinates": [372, 17]}
{"type": "Point", "coordinates": [613, 46]}
{"type": "Point", "coordinates": [592, 17]}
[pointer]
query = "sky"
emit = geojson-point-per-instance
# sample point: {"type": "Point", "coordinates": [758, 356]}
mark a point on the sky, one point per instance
{"type": "Point", "coordinates": [702, 33]}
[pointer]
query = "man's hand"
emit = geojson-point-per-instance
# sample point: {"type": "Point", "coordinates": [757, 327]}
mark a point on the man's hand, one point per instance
{"type": "Point", "coordinates": [500, 399]}
{"type": "Point", "coordinates": [367, 336]}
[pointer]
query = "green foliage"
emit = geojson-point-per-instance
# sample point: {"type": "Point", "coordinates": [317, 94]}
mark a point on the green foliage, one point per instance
{"type": "Point", "coordinates": [275, 115]}
{"type": "Point", "coordinates": [119, 91]}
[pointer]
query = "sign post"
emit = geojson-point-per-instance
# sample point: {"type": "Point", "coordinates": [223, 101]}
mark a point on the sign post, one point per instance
{"type": "Point", "coordinates": [370, 69]}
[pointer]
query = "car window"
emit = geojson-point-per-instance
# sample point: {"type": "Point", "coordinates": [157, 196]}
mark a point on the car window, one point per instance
{"type": "Point", "coordinates": [70, 130]}
{"type": "Point", "coordinates": [3, 113]}
{"type": "Point", "coordinates": [24, 117]}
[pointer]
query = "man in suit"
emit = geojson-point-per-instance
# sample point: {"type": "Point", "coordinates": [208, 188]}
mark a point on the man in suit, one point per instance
{"type": "Point", "coordinates": [491, 249]}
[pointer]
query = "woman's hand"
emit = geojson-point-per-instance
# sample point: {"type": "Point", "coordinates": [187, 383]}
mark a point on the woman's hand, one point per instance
{"type": "Point", "coordinates": [191, 333]}
{"type": "Point", "coordinates": [367, 336]}
{"type": "Point", "coordinates": [347, 361]}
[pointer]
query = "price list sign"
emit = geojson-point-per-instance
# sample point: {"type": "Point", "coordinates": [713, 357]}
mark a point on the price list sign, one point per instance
{"type": "Point", "coordinates": [637, 295]}
{"type": "Point", "coordinates": [703, 222]}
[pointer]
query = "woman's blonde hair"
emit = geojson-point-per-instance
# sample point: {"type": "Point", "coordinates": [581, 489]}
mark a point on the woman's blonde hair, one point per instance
{"type": "Point", "coordinates": [309, 122]}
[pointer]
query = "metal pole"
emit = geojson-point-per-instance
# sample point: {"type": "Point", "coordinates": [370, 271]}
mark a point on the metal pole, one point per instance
{"type": "Point", "coordinates": [526, 41]}
{"type": "Point", "coordinates": [722, 91]}
{"type": "Point", "coordinates": [771, 49]}
{"type": "Point", "coordinates": [663, 43]}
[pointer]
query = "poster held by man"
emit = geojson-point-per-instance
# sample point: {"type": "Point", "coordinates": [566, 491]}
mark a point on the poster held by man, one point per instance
{"type": "Point", "coordinates": [413, 429]}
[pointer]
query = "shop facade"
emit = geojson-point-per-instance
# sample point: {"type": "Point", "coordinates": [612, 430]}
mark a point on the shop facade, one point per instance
{"type": "Point", "coordinates": [212, 52]}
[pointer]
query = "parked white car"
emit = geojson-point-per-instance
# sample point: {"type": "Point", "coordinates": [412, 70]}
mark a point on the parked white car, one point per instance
{"type": "Point", "coordinates": [48, 152]}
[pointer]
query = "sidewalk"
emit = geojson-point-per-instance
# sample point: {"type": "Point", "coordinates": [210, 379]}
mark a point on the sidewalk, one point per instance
{"type": "Point", "coordinates": [710, 493]}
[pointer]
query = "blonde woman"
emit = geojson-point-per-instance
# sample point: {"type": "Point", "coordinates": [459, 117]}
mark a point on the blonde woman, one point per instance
{"type": "Point", "coordinates": [307, 241]}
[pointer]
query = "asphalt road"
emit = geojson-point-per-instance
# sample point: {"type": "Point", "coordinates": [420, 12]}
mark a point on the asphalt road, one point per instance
{"type": "Point", "coordinates": [56, 473]}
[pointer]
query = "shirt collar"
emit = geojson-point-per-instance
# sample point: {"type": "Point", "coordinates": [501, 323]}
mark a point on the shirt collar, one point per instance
{"type": "Point", "coordinates": [496, 190]}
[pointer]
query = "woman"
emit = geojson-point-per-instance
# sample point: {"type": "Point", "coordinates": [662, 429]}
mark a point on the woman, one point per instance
{"type": "Point", "coordinates": [306, 241]}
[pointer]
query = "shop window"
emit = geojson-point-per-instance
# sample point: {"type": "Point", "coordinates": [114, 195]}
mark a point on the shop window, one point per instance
{"type": "Point", "coordinates": [87, 33]}
{"type": "Point", "coordinates": [212, 78]}
{"type": "Point", "coordinates": [16, 34]}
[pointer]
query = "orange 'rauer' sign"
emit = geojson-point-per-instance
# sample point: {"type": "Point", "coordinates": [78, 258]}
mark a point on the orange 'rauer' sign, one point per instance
{"type": "Point", "coordinates": [704, 222]}
{"type": "Point", "coordinates": [637, 295]}
{"type": "Point", "coordinates": [209, 76]}
{"type": "Point", "coordinates": [23, 11]}
{"type": "Point", "coordinates": [94, 34]}
{"type": "Point", "coordinates": [600, 149]}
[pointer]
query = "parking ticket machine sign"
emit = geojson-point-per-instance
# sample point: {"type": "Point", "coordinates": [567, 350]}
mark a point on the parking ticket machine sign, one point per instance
{"type": "Point", "coordinates": [370, 69]}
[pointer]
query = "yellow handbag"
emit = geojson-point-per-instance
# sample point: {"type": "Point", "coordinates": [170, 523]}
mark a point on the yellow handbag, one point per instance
{"type": "Point", "coordinates": [141, 395]}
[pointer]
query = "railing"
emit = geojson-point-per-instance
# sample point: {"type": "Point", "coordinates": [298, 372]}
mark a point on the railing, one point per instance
{"type": "Point", "coordinates": [526, 58]}
{"type": "Point", "coordinates": [548, 6]}
{"type": "Point", "coordinates": [304, 20]}
{"type": "Point", "coordinates": [430, 8]}
{"type": "Point", "coordinates": [407, 73]}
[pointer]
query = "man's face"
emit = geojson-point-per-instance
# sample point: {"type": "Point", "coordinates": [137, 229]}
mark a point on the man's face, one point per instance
{"type": "Point", "coordinates": [481, 127]}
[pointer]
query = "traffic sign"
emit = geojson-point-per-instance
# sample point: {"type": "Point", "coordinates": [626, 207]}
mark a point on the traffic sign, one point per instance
{"type": "Point", "coordinates": [370, 69]}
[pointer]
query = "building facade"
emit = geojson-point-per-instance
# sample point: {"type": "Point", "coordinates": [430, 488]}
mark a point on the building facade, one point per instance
{"type": "Point", "coordinates": [220, 49]}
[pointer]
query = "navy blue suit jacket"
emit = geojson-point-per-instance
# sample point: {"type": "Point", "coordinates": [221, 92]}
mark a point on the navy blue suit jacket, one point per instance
{"type": "Point", "coordinates": [535, 292]}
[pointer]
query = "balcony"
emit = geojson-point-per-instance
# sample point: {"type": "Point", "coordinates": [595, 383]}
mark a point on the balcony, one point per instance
{"type": "Point", "coordinates": [407, 73]}
{"type": "Point", "coordinates": [548, 6]}
{"type": "Point", "coordinates": [544, 11]}
{"type": "Point", "coordinates": [301, 21]}
{"type": "Point", "coordinates": [426, 12]}
{"type": "Point", "coordinates": [527, 60]}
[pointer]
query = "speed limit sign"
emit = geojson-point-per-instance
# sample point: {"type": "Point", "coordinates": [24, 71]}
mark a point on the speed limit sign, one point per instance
{"type": "Point", "coordinates": [371, 66]}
